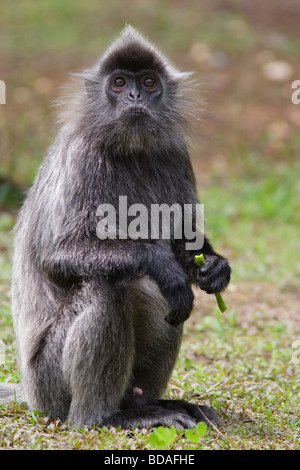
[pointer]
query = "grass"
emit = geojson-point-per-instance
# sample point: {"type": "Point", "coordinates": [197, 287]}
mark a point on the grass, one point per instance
{"type": "Point", "coordinates": [246, 163]}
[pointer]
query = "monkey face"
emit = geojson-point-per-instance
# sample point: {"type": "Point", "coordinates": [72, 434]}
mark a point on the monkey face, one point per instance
{"type": "Point", "coordinates": [134, 96]}
{"type": "Point", "coordinates": [133, 99]}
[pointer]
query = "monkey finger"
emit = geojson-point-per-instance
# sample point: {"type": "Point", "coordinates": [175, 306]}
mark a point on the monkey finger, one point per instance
{"type": "Point", "coordinates": [175, 317]}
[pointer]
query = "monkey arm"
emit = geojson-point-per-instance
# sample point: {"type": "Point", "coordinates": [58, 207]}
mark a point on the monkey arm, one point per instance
{"type": "Point", "coordinates": [69, 262]}
{"type": "Point", "coordinates": [72, 259]}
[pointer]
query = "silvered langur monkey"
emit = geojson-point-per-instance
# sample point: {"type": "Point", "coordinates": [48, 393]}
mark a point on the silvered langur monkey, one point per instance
{"type": "Point", "coordinates": [98, 320]}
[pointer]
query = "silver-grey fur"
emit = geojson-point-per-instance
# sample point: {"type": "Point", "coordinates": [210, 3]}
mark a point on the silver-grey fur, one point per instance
{"type": "Point", "coordinates": [94, 319]}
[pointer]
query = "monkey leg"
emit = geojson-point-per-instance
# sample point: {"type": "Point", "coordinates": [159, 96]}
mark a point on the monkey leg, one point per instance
{"type": "Point", "coordinates": [98, 353]}
{"type": "Point", "coordinates": [156, 347]}
{"type": "Point", "coordinates": [81, 362]}
{"type": "Point", "coordinates": [99, 356]}
{"type": "Point", "coordinates": [98, 359]}
{"type": "Point", "coordinates": [107, 359]}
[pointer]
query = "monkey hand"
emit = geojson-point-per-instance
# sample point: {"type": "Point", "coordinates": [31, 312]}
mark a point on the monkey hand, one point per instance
{"type": "Point", "coordinates": [180, 297]}
{"type": "Point", "coordinates": [214, 275]}
{"type": "Point", "coordinates": [173, 284]}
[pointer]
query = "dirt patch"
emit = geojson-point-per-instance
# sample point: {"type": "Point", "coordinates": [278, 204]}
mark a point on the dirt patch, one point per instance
{"type": "Point", "coordinates": [247, 298]}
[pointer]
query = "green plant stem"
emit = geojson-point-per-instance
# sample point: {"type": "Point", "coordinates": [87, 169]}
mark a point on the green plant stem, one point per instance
{"type": "Point", "coordinates": [221, 304]}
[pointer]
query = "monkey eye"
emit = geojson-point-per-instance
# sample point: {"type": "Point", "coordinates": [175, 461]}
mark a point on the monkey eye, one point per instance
{"type": "Point", "coordinates": [119, 82]}
{"type": "Point", "coordinates": [149, 82]}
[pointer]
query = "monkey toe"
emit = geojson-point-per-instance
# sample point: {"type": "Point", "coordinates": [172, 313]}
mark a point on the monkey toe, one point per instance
{"type": "Point", "coordinates": [196, 412]}
{"type": "Point", "coordinates": [206, 414]}
{"type": "Point", "coordinates": [149, 417]}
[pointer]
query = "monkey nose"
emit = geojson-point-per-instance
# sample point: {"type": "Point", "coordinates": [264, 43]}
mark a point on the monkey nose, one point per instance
{"type": "Point", "coordinates": [134, 95]}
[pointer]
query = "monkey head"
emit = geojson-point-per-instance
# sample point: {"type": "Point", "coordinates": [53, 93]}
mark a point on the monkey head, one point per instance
{"type": "Point", "coordinates": [133, 99]}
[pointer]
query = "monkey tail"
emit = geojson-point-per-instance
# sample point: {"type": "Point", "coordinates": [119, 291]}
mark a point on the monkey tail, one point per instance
{"type": "Point", "coordinates": [11, 393]}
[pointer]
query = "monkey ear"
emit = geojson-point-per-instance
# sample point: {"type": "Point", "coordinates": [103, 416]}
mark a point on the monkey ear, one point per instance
{"type": "Point", "coordinates": [87, 77]}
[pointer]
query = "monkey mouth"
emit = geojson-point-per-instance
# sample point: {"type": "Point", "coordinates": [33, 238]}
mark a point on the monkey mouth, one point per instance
{"type": "Point", "coordinates": [136, 110]}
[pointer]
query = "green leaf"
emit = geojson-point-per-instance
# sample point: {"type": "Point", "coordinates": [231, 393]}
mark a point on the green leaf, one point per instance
{"type": "Point", "coordinates": [201, 429]}
{"type": "Point", "coordinates": [197, 433]}
{"type": "Point", "coordinates": [162, 437]}
{"type": "Point", "coordinates": [191, 435]}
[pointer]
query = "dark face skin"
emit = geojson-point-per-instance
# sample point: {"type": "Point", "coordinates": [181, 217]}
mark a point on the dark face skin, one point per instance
{"type": "Point", "coordinates": [134, 94]}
